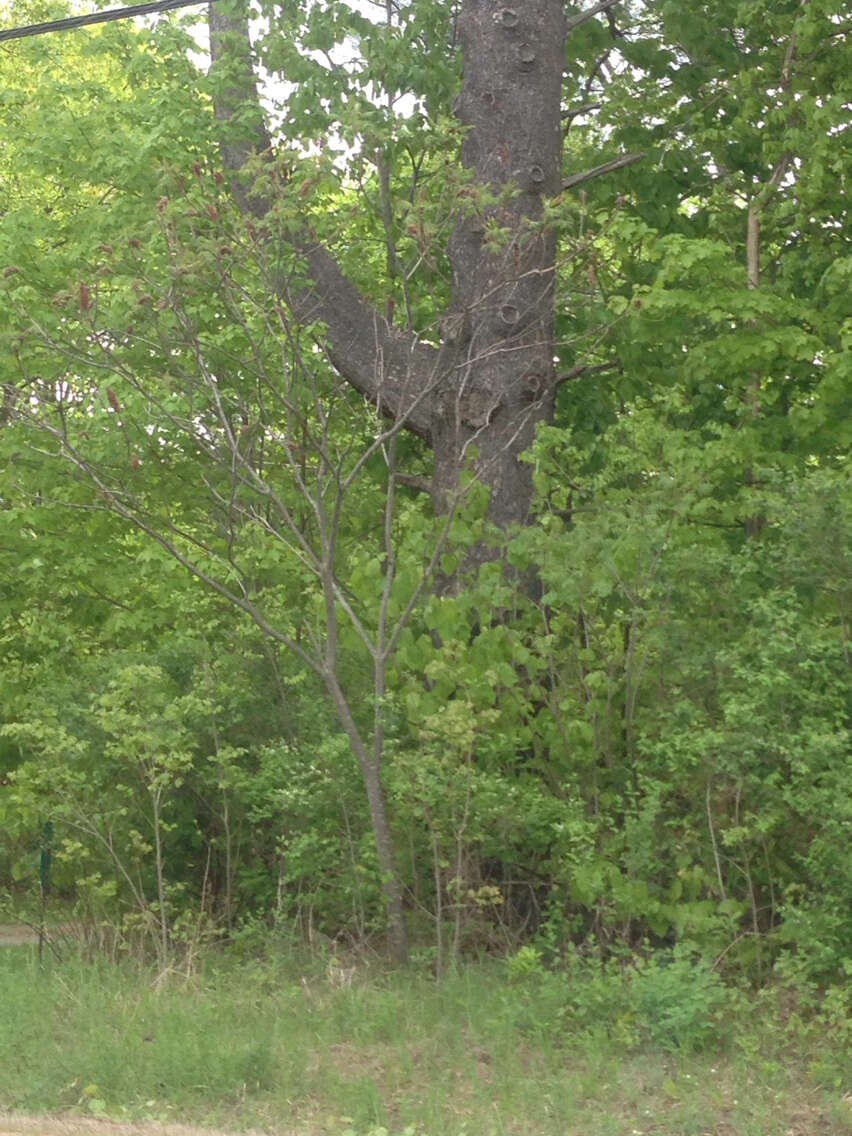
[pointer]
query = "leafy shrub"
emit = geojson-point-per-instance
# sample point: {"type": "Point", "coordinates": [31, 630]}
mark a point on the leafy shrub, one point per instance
{"type": "Point", "coordinates": [674, 1003]}
{"type": "Point", "coordinates": [678, 1002]}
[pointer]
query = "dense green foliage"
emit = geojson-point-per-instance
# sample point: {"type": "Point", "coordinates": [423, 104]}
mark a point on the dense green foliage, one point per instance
{"type": "Point", "coordinates": [652, 750]}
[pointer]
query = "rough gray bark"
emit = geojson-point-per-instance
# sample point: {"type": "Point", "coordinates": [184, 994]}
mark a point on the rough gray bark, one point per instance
{"type": "Point", "coordinates": [484, 392]}
{"type": "Point", "coordinates": [497, 378]}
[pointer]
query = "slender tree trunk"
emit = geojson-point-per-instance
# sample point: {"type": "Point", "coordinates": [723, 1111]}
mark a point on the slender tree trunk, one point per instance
{"type": "Point", "coordinates": [371, 774]}
{"type": "Point", "coordinates": [397, 933]}
{"type": "Point", "coordinates": [161, 882]}
{"type": "Point", "coordinates": [754, 522]}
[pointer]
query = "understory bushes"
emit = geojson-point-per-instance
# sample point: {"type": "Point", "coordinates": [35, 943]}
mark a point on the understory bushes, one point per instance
{"type": "Point", "coordinates": [652, 753]}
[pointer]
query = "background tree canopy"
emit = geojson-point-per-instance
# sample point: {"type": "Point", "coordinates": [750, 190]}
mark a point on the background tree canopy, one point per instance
{"type": "Point", "coordinates": [425, 500]}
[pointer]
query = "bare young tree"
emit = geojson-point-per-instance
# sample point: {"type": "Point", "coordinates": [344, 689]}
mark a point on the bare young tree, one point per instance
{"type": "Point", "coordinates": [272, 447]}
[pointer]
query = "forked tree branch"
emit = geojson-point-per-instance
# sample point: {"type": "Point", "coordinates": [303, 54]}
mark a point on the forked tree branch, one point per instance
{"type": "Point", "coordinates": [392, 368]}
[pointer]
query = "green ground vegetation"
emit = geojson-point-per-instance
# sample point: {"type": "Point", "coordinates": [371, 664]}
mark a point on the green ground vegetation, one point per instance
{"type": "Point", "coordinates": [499, 1048]}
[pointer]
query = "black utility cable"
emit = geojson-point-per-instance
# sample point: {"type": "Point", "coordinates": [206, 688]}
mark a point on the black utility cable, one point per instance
{"type": "Point", "coordinates": [96, 18]}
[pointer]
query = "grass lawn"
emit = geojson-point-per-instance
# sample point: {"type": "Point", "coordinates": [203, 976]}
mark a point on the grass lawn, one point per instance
{"type": "Point", "coordinates": [267, 1045]}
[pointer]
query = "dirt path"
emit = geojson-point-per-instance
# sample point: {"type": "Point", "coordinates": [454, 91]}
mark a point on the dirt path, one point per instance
{"type": "Point", "coordinates": [16, 935]}
{"type": "Point", "coordinates": [19, 1125]}
{"type": "Point", "coordinates": [24, 934]}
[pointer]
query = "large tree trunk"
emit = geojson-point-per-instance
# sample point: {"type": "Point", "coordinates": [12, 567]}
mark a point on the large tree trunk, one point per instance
{"type": "Point", "coordinates": [497, 374]}
{"type": "Point", "coordinates": [492, 381]}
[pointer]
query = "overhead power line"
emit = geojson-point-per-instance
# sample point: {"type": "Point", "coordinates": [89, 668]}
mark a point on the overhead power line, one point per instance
{"type": "Point", "coordinates": [95, 18]}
